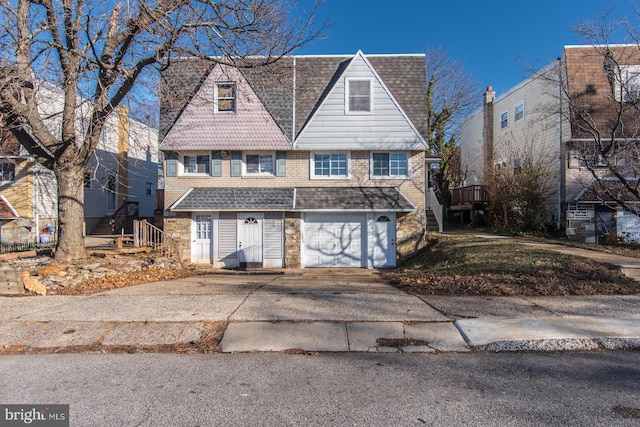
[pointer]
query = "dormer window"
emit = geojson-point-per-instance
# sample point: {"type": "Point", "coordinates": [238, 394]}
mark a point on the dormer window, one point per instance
{"type": "Point", "coordinates": [358, 94]}
{"type": "Point", "coordinates": [225, 97]}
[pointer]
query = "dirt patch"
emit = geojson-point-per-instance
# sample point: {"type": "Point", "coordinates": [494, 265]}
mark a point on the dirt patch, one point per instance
{"type": "Point", "coordinates": [400, 342]}
{"type": "Point", "coordinates": [207, 344]}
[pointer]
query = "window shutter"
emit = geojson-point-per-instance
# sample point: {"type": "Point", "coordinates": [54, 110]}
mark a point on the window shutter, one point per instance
{"type": "Point", "coordinates": [281, 163]}
{"type": "Point", "coordinates": [236, 163]}
{"type": "Point", "coordinates": [216, 163]}
{"type": "Point", "coordinates": [172, 164]}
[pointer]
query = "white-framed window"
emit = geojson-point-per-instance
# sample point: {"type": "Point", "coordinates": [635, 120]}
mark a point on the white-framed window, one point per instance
{"type": "Point", "coordinates": [389, 165]}
{"type": "Point", "coordinates": [148, 189]}
{"type": "Point", "coordinates": [88, 181]}
{"type": "Point", "coordinates": [7, 172]}
{"type": "Point", "coordinates": [196, 164]}
{"type": "Point", "coordinates": [628, 89]}
{"type": "Point", "coordinates": [329, 165]}
{"type": "Point", "coordinates": [359, 97]}
{"type": "Point", "coordinates": [518, 112]}
{"type": "Point", "coordinates": [225, 97]}
{"type": "Point", "coordinates": [259, 164]}
{"type": "Point", "coordinates": [504, 120]}
{"type": "Point", "coordinates": [203, 227]}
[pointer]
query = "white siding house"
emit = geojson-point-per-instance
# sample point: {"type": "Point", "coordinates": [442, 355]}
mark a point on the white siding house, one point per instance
{"type": "Point", "coordinates": [124, 168]}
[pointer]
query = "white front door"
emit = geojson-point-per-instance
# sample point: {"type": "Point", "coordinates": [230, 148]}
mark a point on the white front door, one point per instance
{"type": "Point", "coordinates": [250, 240]}
{"type": "Point", "coordinates": [201, 246]}
{"type": "Point", "coordinates": [384, 240]}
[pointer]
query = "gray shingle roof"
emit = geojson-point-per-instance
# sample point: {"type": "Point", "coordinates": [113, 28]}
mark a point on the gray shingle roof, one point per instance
{"type": "Point", "coordinates": [230, 199]}
{"type": "Point", "coordinates": [351, 198]}
{"type": "Point", "coordinates": [404, 76]}
{"type": "Point", "coordinates": [282, 199]}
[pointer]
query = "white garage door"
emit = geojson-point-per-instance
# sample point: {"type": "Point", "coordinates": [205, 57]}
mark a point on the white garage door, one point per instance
{"type": "Point", "coordinates": [333, 240]}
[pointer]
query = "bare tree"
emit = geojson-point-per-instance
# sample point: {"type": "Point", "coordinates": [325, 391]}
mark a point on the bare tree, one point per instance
{"type": "Point", "coordinates": [520, 186]}
{"type": "Point", "coordinates": [451, 96]}
{"type": "Point", "coordinates": [604, 110]}
{"type": "Point", "coordinates": [99, 54]}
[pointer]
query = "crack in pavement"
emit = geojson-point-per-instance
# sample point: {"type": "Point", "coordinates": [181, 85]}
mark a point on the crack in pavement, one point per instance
{"type": "Point", "coordinates": [250, 293]}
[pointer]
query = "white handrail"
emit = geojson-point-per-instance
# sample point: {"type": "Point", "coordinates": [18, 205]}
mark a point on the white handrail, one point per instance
{"type": "Point", "coordinates": [434, 205]}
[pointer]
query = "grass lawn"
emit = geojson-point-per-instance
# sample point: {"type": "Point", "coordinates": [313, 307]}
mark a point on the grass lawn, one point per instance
{"type": "Point", "coordinates": [467, 265]}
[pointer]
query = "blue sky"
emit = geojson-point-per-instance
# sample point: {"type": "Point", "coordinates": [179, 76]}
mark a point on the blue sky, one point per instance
{"type": "Point", "coordinates": [495, 39]}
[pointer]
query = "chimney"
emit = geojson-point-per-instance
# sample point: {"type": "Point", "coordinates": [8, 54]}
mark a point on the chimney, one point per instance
{"type": "Point", "coordinates": [489, 95]}
{"type": "Point", "coordinates": [487, 135]}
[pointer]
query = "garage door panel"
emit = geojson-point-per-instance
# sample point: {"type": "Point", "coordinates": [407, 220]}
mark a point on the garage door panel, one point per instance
{"type": "Point", "coordinates": [333, 240]}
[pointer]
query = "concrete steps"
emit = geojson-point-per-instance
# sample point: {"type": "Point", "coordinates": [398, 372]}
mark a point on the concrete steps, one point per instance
{"type": "Point", "coordinates": [432, 222]}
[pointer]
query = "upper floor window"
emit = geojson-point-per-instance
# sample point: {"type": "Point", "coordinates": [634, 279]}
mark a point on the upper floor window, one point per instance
{"type": "Point", "coordinates": [518, 112]}
{"type": "Point", "coordinates": [7, 172]}
{"type": "Point", "coordinates": [259, 164]}
{"type": "Point", "coordinates": [88, 180]}
{"type": "Point", "coordinates": [330, 165]}
{"type": "Point", "coordinates": [196, 164]}
{"type": "Point", "coordinates": [628, 89]}
{"type": "Point", "coordinates": [225, 97]}
{"type": "Point", "coordinates": [358, 95]}
{"type": "Point", "coordinates": [586, 159]}
{"type": "Point", "coordinates": [504, 120]}
{"type": "Point", "coordinates": [149, 188]}
{"type": "Point", "coordinates": [389, 165]}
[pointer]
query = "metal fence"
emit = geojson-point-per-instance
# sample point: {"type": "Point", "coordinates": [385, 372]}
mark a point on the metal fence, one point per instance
{"type": "Point", "coordinates": [6, 248]}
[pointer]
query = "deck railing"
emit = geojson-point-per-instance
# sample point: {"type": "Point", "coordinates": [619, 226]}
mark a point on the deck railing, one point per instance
{"type": "Point", "coordinates": [469, 195]}
{"type": "Point", "coordinates": [148, 235]}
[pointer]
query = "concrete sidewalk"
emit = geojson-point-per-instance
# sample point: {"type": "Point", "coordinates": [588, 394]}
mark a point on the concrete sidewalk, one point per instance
{"type": "Point", "coordinates": [314, 311]}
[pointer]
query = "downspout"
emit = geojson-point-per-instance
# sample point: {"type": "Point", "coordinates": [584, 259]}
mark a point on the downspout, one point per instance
{"type": "Point", "coordinates": [34, 188]}
{"type": "Point", "coordinates": [560, 150]}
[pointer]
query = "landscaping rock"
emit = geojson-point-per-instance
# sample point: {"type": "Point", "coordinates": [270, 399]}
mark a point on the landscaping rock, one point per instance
{"type": "Point", "coordinates": [111, 272]}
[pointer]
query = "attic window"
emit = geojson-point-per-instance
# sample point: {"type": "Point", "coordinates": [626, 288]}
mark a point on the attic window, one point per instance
{"type": "Point", "coordinates": [225, 97]}
{"type": "Point", "coordinates": [358, 96]}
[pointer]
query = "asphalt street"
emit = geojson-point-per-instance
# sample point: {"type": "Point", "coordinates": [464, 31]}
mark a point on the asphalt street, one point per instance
{"type": "Point", "coordinates": [331, 389]}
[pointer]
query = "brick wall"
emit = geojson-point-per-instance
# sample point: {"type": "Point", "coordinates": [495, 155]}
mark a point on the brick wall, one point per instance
{"type": "Point", "coordinates": [298, 175]}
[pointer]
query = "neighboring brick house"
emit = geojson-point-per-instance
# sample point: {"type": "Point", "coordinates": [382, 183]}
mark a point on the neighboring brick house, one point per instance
{"type": "Point", "coordinates": [316, 161]}
{"type": "Point", "coordinates": [123, 168]}
{"type": "Point", "coordinates": [525, 120]}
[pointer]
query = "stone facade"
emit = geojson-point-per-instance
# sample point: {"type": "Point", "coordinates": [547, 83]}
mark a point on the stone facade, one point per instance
{"type": "Point", "coordinates": [178, 226]}
{"type": "Point", "coordinates": [411, 233]}
{"type": "Point", "coordinates": [292, 245]}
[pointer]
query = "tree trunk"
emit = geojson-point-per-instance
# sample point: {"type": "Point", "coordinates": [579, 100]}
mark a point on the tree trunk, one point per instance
{"type": "Point", "coordinates": [70, 215]}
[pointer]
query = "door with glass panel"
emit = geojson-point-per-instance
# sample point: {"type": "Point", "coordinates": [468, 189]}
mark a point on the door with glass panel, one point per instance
{"type": "Point", "coordinates": [201, 245]}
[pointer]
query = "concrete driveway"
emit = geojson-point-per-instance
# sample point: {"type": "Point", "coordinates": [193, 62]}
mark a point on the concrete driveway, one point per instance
{"type": "Point", "coordinates": [352, 295]}
{"type": "Point", "coordinates": [316, 310]}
